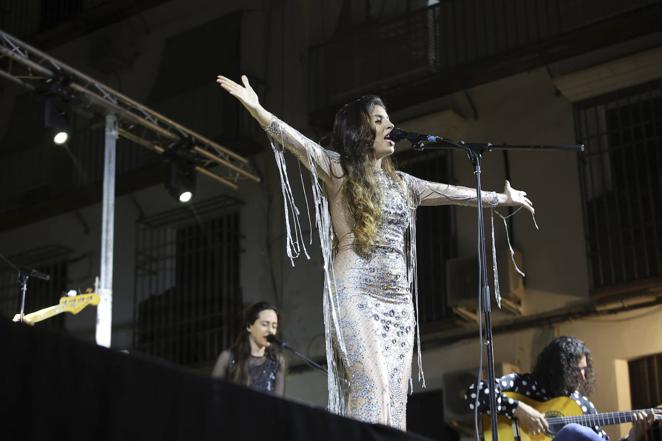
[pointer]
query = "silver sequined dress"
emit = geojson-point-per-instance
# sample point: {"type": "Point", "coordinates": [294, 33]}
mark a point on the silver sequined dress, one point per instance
{"type": "Point", "coordinates": [370, 318]}
{"type": "Point", "coordinates": [377, 314]}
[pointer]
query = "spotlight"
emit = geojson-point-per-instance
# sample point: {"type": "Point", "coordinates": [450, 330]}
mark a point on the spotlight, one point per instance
{"type": "Point", "coordinates": [56, 120]}
{"type": "Point", "coordinates": [185, 196]}
{"type": "Point", "coordinates": [60, 137]}
{"type": "Point", "coordinates": [181, 179]}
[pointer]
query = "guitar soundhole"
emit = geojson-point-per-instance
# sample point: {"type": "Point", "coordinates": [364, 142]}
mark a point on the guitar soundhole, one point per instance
{"type": "Point", "coordinates": [554, 428]}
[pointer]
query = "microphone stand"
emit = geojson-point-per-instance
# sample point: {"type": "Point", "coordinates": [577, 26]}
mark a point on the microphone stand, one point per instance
{"type": "Point", "coordinates": [307, 360]}
{"type": "Point", "coordinates": [23, 276]}
{"type": "Point", "coordinates": [475, 151]}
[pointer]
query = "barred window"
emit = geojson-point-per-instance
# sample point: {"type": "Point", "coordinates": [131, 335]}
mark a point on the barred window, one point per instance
{"type": "Point", "coordinates": [187, 294]}
{"type": "Point", "coordinates": [621, 184]}
{"type": "Point", "coordinates": [435, 238]}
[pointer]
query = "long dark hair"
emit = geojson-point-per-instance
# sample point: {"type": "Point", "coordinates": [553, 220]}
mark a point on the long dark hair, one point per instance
{"type": "Point", "coordinates": [241, 348]}
{"type": "Point", "coordinates": [556, 367]}
{"type": "Point", "coordinates": [353, 137]}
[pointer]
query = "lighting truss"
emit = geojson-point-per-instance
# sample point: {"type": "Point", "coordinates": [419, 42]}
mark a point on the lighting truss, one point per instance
{"type": "Point", "coordinates": [136, 122]}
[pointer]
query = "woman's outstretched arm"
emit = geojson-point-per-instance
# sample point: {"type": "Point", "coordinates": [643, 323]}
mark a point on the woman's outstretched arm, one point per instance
{"type": "Point", "coordinates": [434, 193]}
{"type": "Point", "coordinates": [327, 162]}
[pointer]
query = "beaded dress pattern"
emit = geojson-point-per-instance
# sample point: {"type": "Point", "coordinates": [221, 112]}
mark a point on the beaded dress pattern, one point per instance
{"type": "Point", "coordinates": [369, 300]}
{"type": "Point", "coordinates": [377, 318]}
{"type": "Point", "coordinates": [263, 373]}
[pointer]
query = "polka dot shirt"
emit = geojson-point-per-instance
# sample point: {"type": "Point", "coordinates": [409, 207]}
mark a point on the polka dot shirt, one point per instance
{"type": "Point", "coordinates": [523, 384]}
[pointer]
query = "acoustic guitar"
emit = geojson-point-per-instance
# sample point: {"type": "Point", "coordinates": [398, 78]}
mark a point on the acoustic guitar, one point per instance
{"type": "Point", "coordinates": [559, 412]}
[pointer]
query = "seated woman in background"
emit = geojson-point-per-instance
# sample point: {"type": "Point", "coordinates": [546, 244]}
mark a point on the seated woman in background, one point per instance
{"type": "Point", "coordinates": [252, 361]}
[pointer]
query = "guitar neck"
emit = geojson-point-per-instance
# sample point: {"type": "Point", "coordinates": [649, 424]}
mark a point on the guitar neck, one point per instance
{"type": "Point", "coordinates": [600, 419]}
{"type": "Point", "coordinates": [43, 314]}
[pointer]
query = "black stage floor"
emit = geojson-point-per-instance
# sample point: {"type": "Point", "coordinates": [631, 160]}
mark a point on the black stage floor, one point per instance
{"type": "Point", "coordinates": [55, 387]}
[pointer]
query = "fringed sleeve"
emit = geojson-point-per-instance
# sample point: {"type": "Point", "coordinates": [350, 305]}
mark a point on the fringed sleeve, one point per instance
{"type": "Point", "coordinates": [309, 153]}
{"type": "Point", "coordinates": [413, 189]}
{"type": "Point", "coordinates": [433, 193]}
{"type": "Point", "coordinates": [324, 165]}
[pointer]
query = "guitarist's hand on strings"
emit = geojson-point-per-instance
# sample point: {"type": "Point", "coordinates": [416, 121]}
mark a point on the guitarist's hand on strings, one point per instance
{"type": "Point", "coordinates": [643, 421]}
{"type": "Point", "coordinates": [530, 420]}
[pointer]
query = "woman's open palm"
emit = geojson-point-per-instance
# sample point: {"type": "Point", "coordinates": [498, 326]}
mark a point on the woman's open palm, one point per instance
{"type": "Point", "coordinates": [517, 197]}
{"type": "Point", "coordinates": [245, 94]}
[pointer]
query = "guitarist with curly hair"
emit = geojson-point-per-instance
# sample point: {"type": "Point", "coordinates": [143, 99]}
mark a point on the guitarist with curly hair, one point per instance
{"type": "Point", "coordinates": [551, 401]}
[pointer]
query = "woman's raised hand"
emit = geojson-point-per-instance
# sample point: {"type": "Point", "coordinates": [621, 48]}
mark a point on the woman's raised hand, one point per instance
{"type": "Point", "coordinates": [516, 197]}
{"type": "Point", "coordinates": [246, 96]}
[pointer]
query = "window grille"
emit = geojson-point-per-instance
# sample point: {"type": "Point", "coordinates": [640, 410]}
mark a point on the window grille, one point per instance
{"type": "Point", "coordinates": [187, 293]}
{"type": "Point", "coordinates": [621, 184]}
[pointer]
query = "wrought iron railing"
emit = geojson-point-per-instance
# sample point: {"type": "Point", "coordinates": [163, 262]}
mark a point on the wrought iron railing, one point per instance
{"type": "Point", "coordinates": [447, 35]}
{"type": "Point", "coordinates": [23, 18]}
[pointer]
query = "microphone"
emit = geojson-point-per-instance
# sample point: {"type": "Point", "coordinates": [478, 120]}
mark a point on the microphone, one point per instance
{"type": "Point", "coordinates": [413, 137]}
{"type": "Point", "coordinates": [275, 340]}
{"type": "Point", "coordinates": [31, 272]}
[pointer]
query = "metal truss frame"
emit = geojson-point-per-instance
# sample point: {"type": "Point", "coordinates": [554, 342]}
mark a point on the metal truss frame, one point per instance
{"type": "Point", "coordinates": [36, 71]}
{"type": "Point", "coordinates": [43, 74]}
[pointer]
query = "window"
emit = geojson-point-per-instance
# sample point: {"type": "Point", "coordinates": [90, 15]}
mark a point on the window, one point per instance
{"type": "Point", "coordinates": [646, 387]}
{"type": "Point", "coordinates": [187, 296]}
{"type": "Point", "coordinates": [621, 184]}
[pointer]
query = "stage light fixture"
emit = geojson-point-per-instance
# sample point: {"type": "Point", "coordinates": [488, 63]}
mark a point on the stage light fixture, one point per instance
{"type": "Point", "coordinates": [56, 120]}
{"type": "Point", "coordinates": [185, 196]}
{"type": "Point", "coordinates": [181, 179]}
{"type": "Point", "coordinates": [60, 137]}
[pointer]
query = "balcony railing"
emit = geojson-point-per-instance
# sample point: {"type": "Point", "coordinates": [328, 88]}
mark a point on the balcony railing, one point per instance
{"type": "Point", "coordinates": [23, 18]}
{"type": "Point", "coordinates": [450, 34]}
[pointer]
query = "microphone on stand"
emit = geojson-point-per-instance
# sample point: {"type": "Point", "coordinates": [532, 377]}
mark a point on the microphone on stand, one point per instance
{"type": "Point", "coordinates": [31, 272]}
{"type": "Point", "coordinates": [275, 340]}
{"type": "Point", "coordinates": [398, 135]}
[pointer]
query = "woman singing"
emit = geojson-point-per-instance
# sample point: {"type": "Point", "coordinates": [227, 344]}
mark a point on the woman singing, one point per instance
{"type": "Point", "coordinates": [364, 209]}
{"type": "Point", "coordinates": [252, 361]}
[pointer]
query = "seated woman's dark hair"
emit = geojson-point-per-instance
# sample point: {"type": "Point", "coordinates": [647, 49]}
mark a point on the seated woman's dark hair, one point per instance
{"type": "Point", "coordinates": [557, 367]}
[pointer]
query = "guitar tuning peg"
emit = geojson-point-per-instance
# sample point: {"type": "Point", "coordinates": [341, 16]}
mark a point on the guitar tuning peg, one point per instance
{"type": "Point", "coordinates": [71, 293]}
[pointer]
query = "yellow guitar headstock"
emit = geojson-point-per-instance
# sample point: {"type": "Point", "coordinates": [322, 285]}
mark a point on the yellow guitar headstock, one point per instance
{"type": "Point", "coordinates": [76, 304]}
